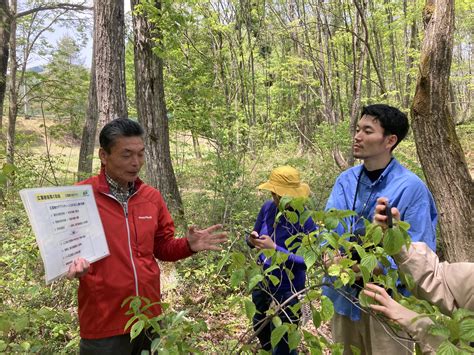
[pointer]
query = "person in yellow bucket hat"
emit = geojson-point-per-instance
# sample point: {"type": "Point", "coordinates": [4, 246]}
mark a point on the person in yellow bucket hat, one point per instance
{"type": "Point", "coordinates": [270, 234]}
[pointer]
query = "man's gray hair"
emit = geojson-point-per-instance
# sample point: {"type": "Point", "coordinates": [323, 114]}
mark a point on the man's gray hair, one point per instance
{"type": "Point", "coordinates": [120, 127]}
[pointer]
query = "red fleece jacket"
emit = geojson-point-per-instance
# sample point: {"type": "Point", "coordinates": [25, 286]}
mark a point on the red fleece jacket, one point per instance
{"type": "Point", "coordinates": [136, 235]}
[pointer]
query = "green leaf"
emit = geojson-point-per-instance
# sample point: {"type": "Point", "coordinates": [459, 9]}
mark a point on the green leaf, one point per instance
{"type": "Point", "coordinates": [291, 216]}
{"type": "Point", "coordinates": [284, 201]}
{"type": "Point", "coordinates": [439, 331]}
{"type": "Point", "coordinates": [136, 329]}
{"type": "Point", "coordinates": [361, 251]}
{"type": "Point", "coordinates": [393, 241]}
{"type": "Point", "coordinates": [408, 280]}
{"type": "Point", "coordinates": [237, 277]}
{"type": "Point", "coordinates": [238, 260]}
{"type": "Point", "coordinates": [155, 345]}
{"type": "Point", "coordinates": [294, 339]}
{"type": "Point", "coordinates": [327, 308]}
{"type": "Point", "coordinates": [404, 225]}
{"type": "Point", "coordinates": [316, 318]}
{"type": "Point", "coordinates": [277, 334]}
{"type": "Point", "coordinates": [305, 216]}
{"type": "Point", "coordinates": [130, 321]}
{"type": "Point", "coordinates": [365, 301]}
{"type": "Point", "coordinates": [135, 304]}
{"type": "Point", "coordinates": [332, 239]}
{"type": "Point", "coordinates": [467, 329]}
{"type": "Point", "coordinates": [8, 168]}
{"type": "Point", "coordinates": [365, 273]}
{"type": "Point", "coordinates": [334, 270]}
{"type": "Point", "coordinates": [254, 281]}
{"type": "Point", "coordinates": [290, 240]}
{"type": "Point", "coordinates": [355, 350]}
{"type": "Point", "coordinates": [277, 321]}
{"type": "Point", "coordinates": [250, 309]}
{"type": "Point", "coordinates": [447, 348]}
{"type": "Point", "coordinates": [369, 261]}
{"type": "Point", "coordinates": [345, 277]}
{"type": "Point", "coordinates": [275, 280]}
{"type": "Point", "coordinates": [461, 313]}
{"type": "Point", "coordinates": [311, 295]}
{"type": "Point", "coordinates": [271, 268]}
{"type": "Point", "coordinates": [377, 235]}
{"type": "Point", "coordinates": [298, 204]}
{"type": "Point", "coordinates": [331, 222]}
{"type": "Point", "coordinates": [281, 258]}
{"type": "Point", "coordinates": [310, 258]}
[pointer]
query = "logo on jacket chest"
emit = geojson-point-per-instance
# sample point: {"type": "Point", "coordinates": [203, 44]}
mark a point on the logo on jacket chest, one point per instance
{"type": "Point", "coordinates": [145, 217]}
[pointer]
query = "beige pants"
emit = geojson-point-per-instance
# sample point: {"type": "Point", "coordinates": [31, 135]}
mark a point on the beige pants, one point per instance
{"type": "Point", "coordinates": [369, 336]}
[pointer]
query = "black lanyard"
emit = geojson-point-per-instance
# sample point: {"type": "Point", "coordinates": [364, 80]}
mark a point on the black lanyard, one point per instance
{"type": "Point", "coordinates": [359, 215]}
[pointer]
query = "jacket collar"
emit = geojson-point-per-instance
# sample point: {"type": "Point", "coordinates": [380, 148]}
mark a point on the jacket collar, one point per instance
{"type": "Point", "coordinates": [103, 186]}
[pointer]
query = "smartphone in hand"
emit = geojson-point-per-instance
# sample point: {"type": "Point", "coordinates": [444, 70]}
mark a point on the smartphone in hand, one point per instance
{"type": "Point", "coordinates": [388, 213]}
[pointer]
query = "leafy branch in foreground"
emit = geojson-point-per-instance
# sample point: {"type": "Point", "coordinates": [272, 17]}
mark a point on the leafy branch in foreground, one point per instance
{"type": "Point", "coordinates": [170, 332]}
{"type": "Point", "coordinates": [359, 260]}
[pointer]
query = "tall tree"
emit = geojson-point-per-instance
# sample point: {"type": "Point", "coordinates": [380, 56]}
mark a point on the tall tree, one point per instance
{"type": "Point", "coordinates": [151, 106]}
{"type": "Point", "coordinates": [109, 36]}
{"type": "Point", "coordinates": [89, 131]}
{"type": "Point", "coordinates": [107, 89]}
{"type": "Point", "coordinates": [13, 92]}
{"type": "Point", "coordinates": [4, 40]}
{"type": "Point", "coordinates": [438, 147]}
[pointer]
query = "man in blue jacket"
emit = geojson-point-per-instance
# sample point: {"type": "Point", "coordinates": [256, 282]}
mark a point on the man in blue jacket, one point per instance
{"type": "Point", "coordinates": [379, 130]}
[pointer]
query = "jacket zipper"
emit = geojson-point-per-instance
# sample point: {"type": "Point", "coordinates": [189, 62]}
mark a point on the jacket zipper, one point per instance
{"type": "Point", "coordinates": [125, 211]}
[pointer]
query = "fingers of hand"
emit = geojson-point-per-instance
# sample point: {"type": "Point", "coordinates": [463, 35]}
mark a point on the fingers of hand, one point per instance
{"type": "Point", "coordinates": [382, 201]}
{"type": "Point", "coordinates": [213, 228]}
{"type": "Point", "coordinates": [379, 308]}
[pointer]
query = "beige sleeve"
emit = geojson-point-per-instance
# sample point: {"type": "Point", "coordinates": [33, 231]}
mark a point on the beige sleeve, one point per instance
{"type": "Point", "coordinates": [429, 276]}
{"type": "Point", "coordinates": [418, 329]}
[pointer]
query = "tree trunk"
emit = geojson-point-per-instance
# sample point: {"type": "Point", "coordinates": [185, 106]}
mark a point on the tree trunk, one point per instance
{"type": "Point", "coordinates": [109, 36]}
{"type": "Point", "coordinates": [438, 147]}
{"type": "Point", "coordinates": [4, 46]}
{"type": "Point", "coordinates": [13, 99]}
{"type": "Point", "coordinates": [151, 108]}
{"type": "Point", "coordinates": [89, 131]}
{"type": "Point", "coordinates": [196, 146]}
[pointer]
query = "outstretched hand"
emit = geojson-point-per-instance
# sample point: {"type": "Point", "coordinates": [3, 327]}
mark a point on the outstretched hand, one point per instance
{"type": "Point", "coordinates": [380, 217]}
{"type": "Point", "coordinates": [206, 239]}
{"type": "Point", "coordinates": [388, 306]}
{"type": "Point", "coordinates": [79, 267]}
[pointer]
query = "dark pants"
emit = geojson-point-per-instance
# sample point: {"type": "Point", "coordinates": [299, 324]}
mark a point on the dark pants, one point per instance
{"type": "Point", "coordinates": [262, 301]}
{"type": "Point", "coordinates": [119, 345]}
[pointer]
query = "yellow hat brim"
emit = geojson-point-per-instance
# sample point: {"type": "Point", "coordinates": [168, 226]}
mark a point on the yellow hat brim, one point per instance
{"type": "Point", "coordinates": [302, 190]}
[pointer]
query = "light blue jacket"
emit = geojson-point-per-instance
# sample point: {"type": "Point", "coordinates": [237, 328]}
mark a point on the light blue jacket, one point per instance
{"type": "Point", "coordinates": [404, 190]}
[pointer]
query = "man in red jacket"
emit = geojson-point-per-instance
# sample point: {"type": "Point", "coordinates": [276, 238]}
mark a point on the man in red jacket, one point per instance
{"type": "Point", "coordinates": [138, 228]}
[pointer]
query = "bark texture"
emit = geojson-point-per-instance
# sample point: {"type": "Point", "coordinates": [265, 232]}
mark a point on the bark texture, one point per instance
{"type": "Point", "coordinates": [89, 131]}
{"type": "Point", "coordinates": [109, 37]}
{"type": "Point", "coordinates": [13, 89]}
{"type": "Point", "coordinates": [4, 46]}
{"type": "Point", "coordinates": [438, 147]}
{"type": "Point", "coordinates": [151, 108]}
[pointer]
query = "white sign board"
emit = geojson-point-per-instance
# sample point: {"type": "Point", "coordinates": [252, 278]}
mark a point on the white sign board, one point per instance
{"type": "Point", "coordinates": [67, 225]}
